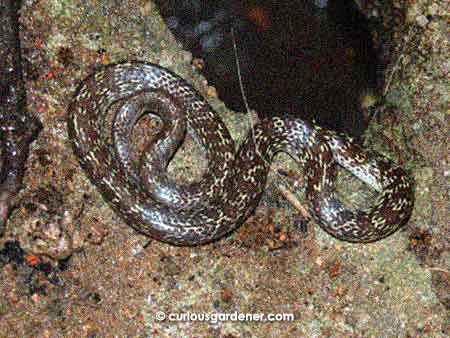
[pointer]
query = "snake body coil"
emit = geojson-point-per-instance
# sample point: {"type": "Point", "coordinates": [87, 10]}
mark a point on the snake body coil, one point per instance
{"type": "Point", "coordinates": [109, 103]}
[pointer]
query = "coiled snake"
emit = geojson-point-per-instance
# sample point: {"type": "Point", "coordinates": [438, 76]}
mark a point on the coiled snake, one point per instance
{"type": "Point", "coordinates": [108, 104]}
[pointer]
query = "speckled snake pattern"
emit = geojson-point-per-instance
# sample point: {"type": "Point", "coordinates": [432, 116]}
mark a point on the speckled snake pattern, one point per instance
{"type": "Point", "coordinates": [108, 104]}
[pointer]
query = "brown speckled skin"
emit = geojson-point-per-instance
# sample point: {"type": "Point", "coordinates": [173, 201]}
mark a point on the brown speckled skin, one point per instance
{"type": "Point", "coordinates": [234, 182]}
{"type": "Point", "coordinates": [17, 127]}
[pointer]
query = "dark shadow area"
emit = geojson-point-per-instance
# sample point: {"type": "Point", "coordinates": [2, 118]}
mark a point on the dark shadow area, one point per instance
{"type": "Point", "coordinates": [314, 59]}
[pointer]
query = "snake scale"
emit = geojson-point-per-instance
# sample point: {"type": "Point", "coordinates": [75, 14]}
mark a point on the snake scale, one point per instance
{"type": "Point", "coordinates": [109, 103]}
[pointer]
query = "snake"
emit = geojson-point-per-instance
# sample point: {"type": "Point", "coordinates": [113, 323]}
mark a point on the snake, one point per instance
{"type": "Point", "coordinates": [18, 127]}
{"type": "Point", "coordinates": [110, 102]}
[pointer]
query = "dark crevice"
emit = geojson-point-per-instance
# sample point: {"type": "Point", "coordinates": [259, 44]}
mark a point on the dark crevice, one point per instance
{"type": "Point", "coordinates": [295, 57]}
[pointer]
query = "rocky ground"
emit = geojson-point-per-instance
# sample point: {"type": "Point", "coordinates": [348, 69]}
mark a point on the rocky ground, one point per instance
{"type": "Point", "coordinates": [84, 273]}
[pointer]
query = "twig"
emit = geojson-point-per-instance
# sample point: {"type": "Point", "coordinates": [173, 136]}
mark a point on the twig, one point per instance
{"type": "Point", "coordinates": [241, 86]}
{"type": "Point", "coordinates": [293, 200]}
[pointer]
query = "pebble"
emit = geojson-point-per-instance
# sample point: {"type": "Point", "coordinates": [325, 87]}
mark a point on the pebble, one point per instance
{"type": "Point", "coordinates": [422, 20]}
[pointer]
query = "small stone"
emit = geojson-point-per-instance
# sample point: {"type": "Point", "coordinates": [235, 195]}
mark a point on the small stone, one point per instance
{"type": "Point", "coordinates": [198, 64]}
{"type": "Point", "coordinates": [147, 8]}
{"type": "Point", "coordinates": [36, 298]}
{"type": "Point", "coordinates": [422, 21]}
{"type": "Point", "coordinates": [212, 92]}
{"type": "Point", "coordinates": [433, 9]}
{"type": "Point", "coordinates": [186, 56]}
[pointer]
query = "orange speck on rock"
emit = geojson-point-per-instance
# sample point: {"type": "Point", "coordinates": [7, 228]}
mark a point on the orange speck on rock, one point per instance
{"type": "Point", "coordinates": [340, 291]}
{"type": "Point", "coordinates": [198, 64]}
{"type": "Point", "coordinates": [38, 43]}
{"type": "Point", "coordinates": [105, 60]}
{"type": "Point", "coordinates": [32, 260]}
{"type": "Point", "coordinates": [334, 269]}
{"type": "Point", "coordinates": [50, 75]}
{"type": "Point", "coordinates": [212, 92]}
{"type": "Point", "coordinates": [226, 295]}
